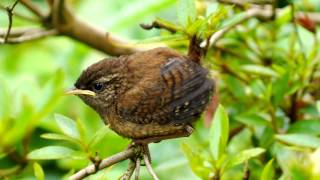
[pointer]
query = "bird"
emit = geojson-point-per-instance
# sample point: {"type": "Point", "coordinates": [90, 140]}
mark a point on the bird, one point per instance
{"type": "Point", "coordinates": [147, 96]}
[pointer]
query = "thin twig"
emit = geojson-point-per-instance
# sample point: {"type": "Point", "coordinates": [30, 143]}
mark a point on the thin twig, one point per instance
{"type": "Point", "coordinates": [127, 175]}
{"type": "Point", "coordinates": [29, 37]}
{"type": "Point", "coordinates": [126, 154]}
{"type": "Point", "coordinates": [16, 31]}
{"type": "Point", "coordinates": [149, 167]}
{"type": "Point", "coordinates": [21, 16]}
{"type": "Point", "coordinates": [265, 13]}
{"type": "Point", "coordinates": [34, 9]}
{"type": "Point", "coordinates": [10, 14]}
{"type": "Point", "coordinates": [158, 24]}
{"type": "Point", "coordinates": [253, 12]}
{"type": "Point", "coordinates": [138, 164]}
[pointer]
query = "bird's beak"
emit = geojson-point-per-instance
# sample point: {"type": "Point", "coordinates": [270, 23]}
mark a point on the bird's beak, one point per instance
{"type": "Point", "coordinates": [75, 91]}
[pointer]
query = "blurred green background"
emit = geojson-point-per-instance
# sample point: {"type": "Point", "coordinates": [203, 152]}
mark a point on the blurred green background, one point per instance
{"type": "Point", "coordinates": [263, 69]}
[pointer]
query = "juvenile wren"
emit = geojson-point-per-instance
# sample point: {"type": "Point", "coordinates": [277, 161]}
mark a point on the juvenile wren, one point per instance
{"type": "Point", "coordinates": [152, 95]}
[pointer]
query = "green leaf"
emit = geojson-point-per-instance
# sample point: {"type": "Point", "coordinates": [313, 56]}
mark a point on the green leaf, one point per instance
{"type": "Point", "coordinates": [258, 88]}
{"type": "Point", "coordinates": [187, 12]}
{"type": "Point", "coordinates": [268, 171]}
{"type": "Point", "coordinates": [318, 107]}
{"type": "Point", "coordinates": [284, 16]}
{"type": "Point", "coordinates": [67, 126]}
{"type": "Point", "coordinates": [165, 39]}
{"type": "Point", "coordinates": [54, 136]}
{"type": "Point", "coordinates": [219, 133]}
{"type": "Point", "coordinates": [196, 162]}
{"type": "Point", "coordinates": [310, 127]}
{"type": "Point", "coordinates": [280, 89]}
{"type": "Point", "coordinates": [252, 120]}
{"type": "Point", "coordinates": [302, 140]}
{"type": "Point", "coordinates": [241, 157]}
{"type": "Point", "coordinates": [50, 152]}
{"type": "Point", "coordinates": [98, 137]}
{"type": "Point", "coordinates": [38, 171]}
{"type": "Point", "coordinates": [259, 70]}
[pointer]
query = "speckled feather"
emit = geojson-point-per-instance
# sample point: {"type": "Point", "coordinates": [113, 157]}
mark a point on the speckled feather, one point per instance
{"type": "Point", "coordinates": [153, 93]}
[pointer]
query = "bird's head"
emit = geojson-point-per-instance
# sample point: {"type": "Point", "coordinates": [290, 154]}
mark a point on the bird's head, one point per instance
{"type": "Point", "coordinates": [99, 85]}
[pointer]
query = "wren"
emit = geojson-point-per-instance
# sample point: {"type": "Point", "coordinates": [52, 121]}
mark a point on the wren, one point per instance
{"type": "Point", "coordinates": [152, 95]}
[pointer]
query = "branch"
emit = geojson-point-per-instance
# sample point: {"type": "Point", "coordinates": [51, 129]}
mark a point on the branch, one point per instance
{"type": "Point", "coordinates": [159, 24]}
{"type": "Point", "coordinates": [126, 154]}
{"type": "Point", "coordinates": [127, 175]}
{"type": "Point", "coordinates": [149, 167]}
{"type": "Point", "coordinates": [138, 164]}
{"type": "Point", "coordinates": [10, 14]}
{"type": "Point", "coordinates": [265, 13]}
{"type": "Point", "coordinates": [20, 15]}
{"type": "Point", "coordinates": [34, 9]}
{"type": "Point", "coordinates": [29, 37]}
{"type": "Point", "coordinates": [253, 12]}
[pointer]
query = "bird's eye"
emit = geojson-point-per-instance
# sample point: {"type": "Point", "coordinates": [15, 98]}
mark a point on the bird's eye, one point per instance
{"type": "Point", "coordinates": [98, 86]}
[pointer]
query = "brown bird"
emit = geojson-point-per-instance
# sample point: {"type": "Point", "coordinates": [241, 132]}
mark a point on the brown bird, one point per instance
{"type": "Point", "coordinates": [147, 96]}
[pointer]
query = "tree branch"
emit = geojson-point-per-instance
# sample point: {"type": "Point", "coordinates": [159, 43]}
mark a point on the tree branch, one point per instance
{"type": "Point", "coordinates": [149, 167]}
{"type": "Point", "coordinates": [28, 37]}
{"type": "Point", "coordinates": [126, 154]}
{"type": "Point", "coordinates": [127, 175]}
{"type": "Point", "coordinates": [253, 12]}
{"type": "Point", "coordinates": [34, 9]}
{"type": "Point", "coordinates": [265, 13]}
{"type": "Point", "coordinates": [10, 14]}
{"type": "Point", "coordinates": [21, 15]}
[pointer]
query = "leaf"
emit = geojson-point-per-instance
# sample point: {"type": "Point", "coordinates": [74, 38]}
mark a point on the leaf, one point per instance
{"type": "Point", "coordinates": [196, 162]}
{"type": "Point", "coordinates": [259, 70]}
{"type": "Point", "coordinates": [98, 137]}
{"type": "Point", "coordinates": [252, 120]}
{"type": "Point", "coordinates": [54, 136]}
{"type": "Point", "coordinates": [164, 39]}
{"type": "Point", "coordinates": [318, 107]}
{"type": "Point", "coordinates": [38, 171]}
{"type": "Point", "coordinates": [219, 133]}
{"type": "Point", "coordinates": [187, 12]}
{"type": "Point", "coordinates": [241, 157]}
{"type": "Point", "coordinates": [302, 140]}
{"type": "Point", "coordinates": [310, 127]}
{"type": "Point", "coordinates": [280, 89]}
{"type": "Point", "coordinates": [268, 171]}
{"type": "Point", "coordinates": [236, 87]}
{"type": "Point", "coordinates": [50, 152]}
{"type": "Point", "coordinates": [67, 126]}
{"type": "Point", "coordinates": [284, 16]}
{"type": "Point", "coordinates": [258, 88]}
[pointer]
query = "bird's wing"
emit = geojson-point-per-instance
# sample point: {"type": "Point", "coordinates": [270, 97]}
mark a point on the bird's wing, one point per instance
{"type": "Point", "coordinates": [178, 96]}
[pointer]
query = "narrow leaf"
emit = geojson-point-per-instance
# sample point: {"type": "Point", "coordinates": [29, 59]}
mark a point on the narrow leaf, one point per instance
{"type": "Point", "coordinates": [310, 127]}
{"type": "Point", "coordinates": [67, 126]}
{"type": "Point", "coordinates": [50, 152]}
{"type": "Point", "coordinates": [196, 162]}
{"type": "Point", "coordinates": [98, 136]}
{"type": "Point", "coordinates": [219, 133]}
{"type": "Point", "coordinates": [243, 156]}
{"type": "Point", "coordinates": [252, 120]}
{"type": "Point", "coordinates": [302, 140]}
{"type": "Point", "coordinates": [38, 171]}
{"type": "Point", "coordinates": [259, 70]}
{"type": "Point", "coordinates": [268, 171]}
{"type": "Point", "coordinates": [54, 136]}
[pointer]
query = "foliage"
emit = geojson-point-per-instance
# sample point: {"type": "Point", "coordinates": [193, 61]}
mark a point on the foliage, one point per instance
{"type": "Point", "coordinates": [267, 74]}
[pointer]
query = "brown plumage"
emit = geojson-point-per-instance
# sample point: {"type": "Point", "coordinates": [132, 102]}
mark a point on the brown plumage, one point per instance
{"type": "Point", "coordinates": [151, 94]}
